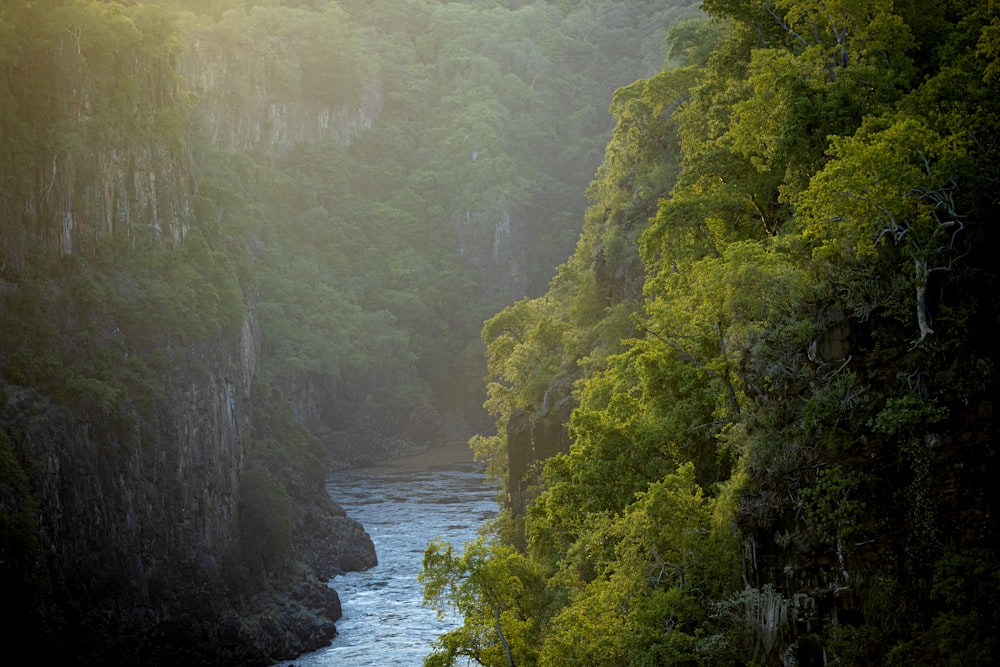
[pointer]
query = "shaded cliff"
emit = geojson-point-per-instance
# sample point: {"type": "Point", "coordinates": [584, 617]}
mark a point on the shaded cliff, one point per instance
{"type": "Point", "coordinates": [158, 513]}
{"type": "Point", "coordinates": [155, 505]}
{"type": "Point", "coordinates": [270, 77]}
{"type": "Point", "coordinates": [877, 506]}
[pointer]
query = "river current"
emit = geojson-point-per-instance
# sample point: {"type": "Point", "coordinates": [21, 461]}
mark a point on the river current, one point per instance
{"type": "Point", "coordinates": [384, 622]}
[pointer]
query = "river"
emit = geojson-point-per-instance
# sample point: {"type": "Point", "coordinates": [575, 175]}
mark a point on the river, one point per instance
{"type": "Point", "coordinates": [403, 507]}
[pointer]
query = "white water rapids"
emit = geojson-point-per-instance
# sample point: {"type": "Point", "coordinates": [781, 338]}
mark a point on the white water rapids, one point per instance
{"type": "Point", "coordinates": [384, 621]}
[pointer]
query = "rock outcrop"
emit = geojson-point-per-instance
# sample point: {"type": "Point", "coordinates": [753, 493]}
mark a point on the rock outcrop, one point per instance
{"type": "Point", "coordinates": [533, 436]}
{"type": "Point", "coordinates": [141, 521]}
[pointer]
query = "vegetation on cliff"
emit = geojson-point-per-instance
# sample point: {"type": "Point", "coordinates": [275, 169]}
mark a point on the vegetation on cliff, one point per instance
{"type": "Point", "coordinates": [774, 348]}
{"type": "Point", "coordinates": [379, 252]}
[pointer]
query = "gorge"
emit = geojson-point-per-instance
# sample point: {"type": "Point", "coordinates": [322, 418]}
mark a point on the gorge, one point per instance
{"type": "Point", "coordinates": [707, 287]}
{"type": "Point", "coordinates": [241, 242]}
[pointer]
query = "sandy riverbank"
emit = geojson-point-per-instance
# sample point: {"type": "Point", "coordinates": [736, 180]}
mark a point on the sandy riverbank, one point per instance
{"type": "Point", "coordinates": [447, 454]}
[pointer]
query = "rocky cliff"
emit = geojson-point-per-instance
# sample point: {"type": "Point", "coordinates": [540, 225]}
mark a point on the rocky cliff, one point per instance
{"type": "Point", "coordinates": [144, 514]}
{"type": "Point", "coordinates": [87, 153]}
{"type": "Point", "coordinates": [908, 509]}
{"type": "Point", "coordinates": [257, 86]}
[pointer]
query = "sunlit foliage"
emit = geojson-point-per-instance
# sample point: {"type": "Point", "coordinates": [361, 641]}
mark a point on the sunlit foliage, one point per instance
{"type": "Point", "coordinates": [797, 234]}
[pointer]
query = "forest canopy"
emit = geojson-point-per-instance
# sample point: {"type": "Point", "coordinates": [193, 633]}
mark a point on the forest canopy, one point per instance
{"type": "Point", "coordinates": [771, 355]}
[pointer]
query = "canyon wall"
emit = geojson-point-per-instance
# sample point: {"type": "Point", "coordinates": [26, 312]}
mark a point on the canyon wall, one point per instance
{"type": "Point", "coordinates": [143, 519]}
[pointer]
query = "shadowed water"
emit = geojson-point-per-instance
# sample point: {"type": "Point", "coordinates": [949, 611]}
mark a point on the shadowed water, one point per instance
{"type": "Point", "coordinates": [384, 621]}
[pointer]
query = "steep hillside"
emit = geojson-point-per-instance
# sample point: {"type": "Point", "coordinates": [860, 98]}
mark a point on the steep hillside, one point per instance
{"type": "Point", "coordinates": [771, 358]}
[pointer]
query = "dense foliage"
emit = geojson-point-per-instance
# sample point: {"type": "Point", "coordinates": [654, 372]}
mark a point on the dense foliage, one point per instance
{"type": "Point", "coordinates": [377, 261]}
{"type": "Point", "coordinates": [776, 335]}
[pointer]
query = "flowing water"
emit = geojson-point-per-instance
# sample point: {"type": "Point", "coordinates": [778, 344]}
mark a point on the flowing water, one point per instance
{"type": "Point", "coordinates": [384, 621]}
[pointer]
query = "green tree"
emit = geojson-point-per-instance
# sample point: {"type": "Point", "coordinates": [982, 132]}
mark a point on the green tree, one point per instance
{"type": "Point", "coordinates": [894, 183]}
{"type": "Point", "coordinates": [496, 590]}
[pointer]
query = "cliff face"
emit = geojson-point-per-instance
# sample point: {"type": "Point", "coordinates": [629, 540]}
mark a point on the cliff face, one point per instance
{"type": "Point", "coordinates": [88, 154]}
{"type": "Point", "coordinates": [101, 190]}
{"type": "Point", "coordinates": [152, 536]}
{"type": "Point", "coordinates": [532, 438]}
{"type": "Point", "coordinates": [138, 514]}
{"type": "Point", "coordinates": [908, 509]}
{"type": "Point", "coordinates": [138, 517]}
{"type": "Point", "coordinates": [264, 119]}
{"type": "Point", "coordinates": [494, 242]}
{"type": "Point", "coordinates": [266, 80]}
